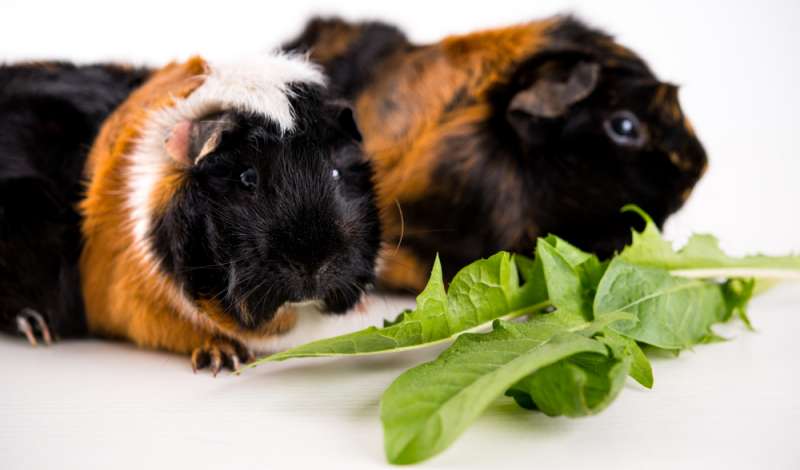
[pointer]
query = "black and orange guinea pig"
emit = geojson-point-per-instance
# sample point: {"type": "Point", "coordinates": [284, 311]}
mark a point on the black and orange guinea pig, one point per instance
{"type": "Point", "coordinates": [485, 141]}
{"type": "Point", "coordinates": [50, 112]}
{"type": "Point", "coordinates": [222, 200]}
{"type": "Point", "coordinates": [223, 204]}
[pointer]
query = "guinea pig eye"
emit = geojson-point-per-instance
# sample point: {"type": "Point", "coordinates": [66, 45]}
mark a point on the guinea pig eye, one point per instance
{"type": "Point", "coordinates": [624, 128]}
{"type": "Point", "coordinates": [335, 174]}
{"type": "Point", "coordinates": [249, 179]}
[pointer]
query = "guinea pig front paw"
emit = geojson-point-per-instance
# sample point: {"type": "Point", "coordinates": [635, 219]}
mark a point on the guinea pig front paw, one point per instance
{"type": "Point", "coordinates": [219, 352]}
{"type": "Point", "coordinates": [31, 324]}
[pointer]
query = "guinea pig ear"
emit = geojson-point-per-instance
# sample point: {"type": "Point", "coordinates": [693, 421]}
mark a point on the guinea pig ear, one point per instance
{"type": "Point", "coordinates": [191, 141]}
{"type": "Point", "coordinates": [346, 120]}
{"type": "Point", "coordinates": [177, 144]}
{"type": "Point", "coordinates": [549, 97]}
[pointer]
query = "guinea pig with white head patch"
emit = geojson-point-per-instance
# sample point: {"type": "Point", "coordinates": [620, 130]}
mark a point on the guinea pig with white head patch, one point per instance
{"type": "Point", "coordinates": [221, 200]}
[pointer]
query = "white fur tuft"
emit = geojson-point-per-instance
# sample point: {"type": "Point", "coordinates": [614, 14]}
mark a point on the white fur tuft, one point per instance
{"type": "Point", "coordinates": [259, 86]}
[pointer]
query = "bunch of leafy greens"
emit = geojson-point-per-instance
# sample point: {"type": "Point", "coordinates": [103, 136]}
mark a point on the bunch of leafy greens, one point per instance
{"type": "Point", "coordinates": [585, 321]}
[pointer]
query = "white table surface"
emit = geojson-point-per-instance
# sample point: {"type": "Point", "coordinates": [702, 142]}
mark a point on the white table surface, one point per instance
{"type": "Point", "coordinates": [99, 405]}
{"type": "Point", "coordinates": [94, 404]}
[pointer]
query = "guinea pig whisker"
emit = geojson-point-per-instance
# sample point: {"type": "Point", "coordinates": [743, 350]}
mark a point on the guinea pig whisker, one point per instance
{"type": "Point", "coordinates": [225, 264]}
{"type": "Point", "coordinates": [258, 286]}
{"type": "Point", "coordinates": [402, 226]}
{"type": "Point", "coordinates": [433, 230]}
{"type": "Point", "coordinates": [219, 295]}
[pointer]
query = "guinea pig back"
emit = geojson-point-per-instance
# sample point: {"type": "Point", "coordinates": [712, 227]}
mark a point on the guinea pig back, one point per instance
{"type": "Point", "coordinates": [483, 142]}
{"type": "Point", "coordinates": [221, 198]}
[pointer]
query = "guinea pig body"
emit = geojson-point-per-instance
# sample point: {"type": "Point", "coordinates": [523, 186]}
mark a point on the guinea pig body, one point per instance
{"type": "Point", "coordinates": [49, 116]}
{"type": "Point", "coordinates": [485, 141]}
{"type": "Point", "coordinates": [221, 199]}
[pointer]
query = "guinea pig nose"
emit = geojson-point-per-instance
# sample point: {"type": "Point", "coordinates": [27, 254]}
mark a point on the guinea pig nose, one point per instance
{"type": "Point", "coordinates": [311, 248]}
{"type": "Point", "coordinates": [309, 259]}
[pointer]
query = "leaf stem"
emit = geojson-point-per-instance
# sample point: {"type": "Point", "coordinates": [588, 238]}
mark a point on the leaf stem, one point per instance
{"type": "Point", "coordinates": [711, 273]}
{"type": "Point", "coordinates": [515, 314]}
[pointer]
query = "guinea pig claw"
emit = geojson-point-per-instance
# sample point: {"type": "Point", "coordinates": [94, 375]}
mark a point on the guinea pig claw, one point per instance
{"type": "Point", "coordinates": [235, 363]}
{"type": "Point", "coordinates": [29, 323]}
{"type": "Point", "coordinates": [220, 353]}
{"type": "Point", "coordinates": [25, 328]}
{"type": "Point", "coordinates": [216, 361]}
{"type": "Point", "coordinates": [199, 359]}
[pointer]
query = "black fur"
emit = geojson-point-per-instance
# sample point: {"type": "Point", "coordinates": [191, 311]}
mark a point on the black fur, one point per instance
{"type": "Point", "coordinates": [298, 234]}
{"type": "Point", "coordinates": [576, 177]}
{"type": "Point", "coordinates": [352, 71]}
{"type": "Point", "coordinates": [49, 116]}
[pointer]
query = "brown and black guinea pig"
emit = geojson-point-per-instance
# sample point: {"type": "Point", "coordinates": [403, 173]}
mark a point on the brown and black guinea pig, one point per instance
{"type": "Point", "coordinates": [485, 141]}
{"type": "Point", "coordinates": [223, 200]}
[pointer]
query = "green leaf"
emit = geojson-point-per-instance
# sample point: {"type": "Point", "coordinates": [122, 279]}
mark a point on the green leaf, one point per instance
{"type": "Point", "coordinates": [581, 385]}
{"type": "Point", "coordinates": [429, 406]}
{"type": "Point", "coordinates": [572, 361]}
{"type": "Point", "coordinates": [565, 288]}
{"type": "Point", "coordinates": [673, 312]}
{"type": "Point", "coordinates": [641, 370]}
{"type": "Point", "coordinates": [712, 338]}
{"type": "Point", "coordinates": [574, 255]}
{"type": "Point", "coordinates": [738, 293]}
{"type": "Point", "coordinates": [480, 293]}
{"type": "Point", "coordinates": [563, 275]}
{"type": "Point", "coordinates": [702, 257]}
{"type": "Point", "coordinates": [586, 383]}
{"type": "Point", "coordinates": [587, 265]}
{"type": "Point", "coordinates": [534, 288]}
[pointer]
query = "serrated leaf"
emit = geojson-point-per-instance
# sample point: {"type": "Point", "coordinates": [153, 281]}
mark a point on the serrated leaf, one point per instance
{"type": "Point", "coordinates": [480, 293]}
{"type": "Point", "coordinates": [572, 361]}
{"type": "Point", "coordinates": [428, 407]}
{"type": "Point", "coordinates": [702, 256]}
{"type": "Point", "coordinates": [587, 265]}
{"type": "Point", "coordinates": [563, 275]}
{"type": "Point", "coordinates": [581, 385]}
{"type": "Point", "coordinates": [565, 288]}
{"type": "Point", "coordinates": [713, 338]}
{"type": "Point", "coordinates": [587, 383]}
{"type": "Point", "coordinates": [574, 255]}
{"type": "Point", "coordinates": [673, 312]}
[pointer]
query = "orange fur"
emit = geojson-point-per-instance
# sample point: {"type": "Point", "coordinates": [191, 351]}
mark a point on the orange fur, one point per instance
{"type": "Point", "coordinates": [400, 267]}
{"type": "Point", "coordinates": [126, 293]}
{"type": "Point", "coordinates": [404, 145]}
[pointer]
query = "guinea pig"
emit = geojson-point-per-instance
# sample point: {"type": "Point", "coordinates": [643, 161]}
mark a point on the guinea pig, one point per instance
{"type": "Point", "coordinates": [50, 113]}
{"type": "Point", "coordinates": [486, 141]}
{"type": "Point", "coordinates": [222, 200]}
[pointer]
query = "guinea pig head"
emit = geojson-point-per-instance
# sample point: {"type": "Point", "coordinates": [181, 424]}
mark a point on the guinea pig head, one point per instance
{"type": "Point", "coordinates": [596, 130]}
{"type": "Point", "coordinates": [265, 217]}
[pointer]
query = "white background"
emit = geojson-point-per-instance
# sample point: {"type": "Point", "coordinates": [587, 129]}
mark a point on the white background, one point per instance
{"type": "Point", "coordinates": [95, 404]}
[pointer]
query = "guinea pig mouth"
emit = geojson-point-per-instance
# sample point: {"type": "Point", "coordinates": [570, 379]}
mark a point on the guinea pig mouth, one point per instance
{"type": "Point", "coordinates": [312, 303]}
{"type": "Point", "coordinates": [331, 303]}
{"type": "Point", "coordinates": [255, 310]}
